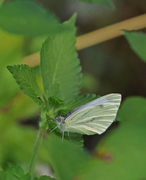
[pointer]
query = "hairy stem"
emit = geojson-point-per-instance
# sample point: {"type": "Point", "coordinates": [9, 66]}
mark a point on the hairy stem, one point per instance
{"type": "Point", "coordinates": [35, 151]}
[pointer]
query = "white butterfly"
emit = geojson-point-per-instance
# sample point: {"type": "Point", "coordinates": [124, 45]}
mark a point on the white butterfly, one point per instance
{"type": "Point", "coordinates": [91, 118]}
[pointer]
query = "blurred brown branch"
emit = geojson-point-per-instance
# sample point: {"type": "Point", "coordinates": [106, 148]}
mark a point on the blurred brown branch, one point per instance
{"type": "Point", "coordinates": [99, 36]}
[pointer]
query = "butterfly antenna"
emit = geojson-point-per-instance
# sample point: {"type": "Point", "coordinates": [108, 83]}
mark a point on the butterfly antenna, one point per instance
{"type": "Point", "coordinates": [54, 128]}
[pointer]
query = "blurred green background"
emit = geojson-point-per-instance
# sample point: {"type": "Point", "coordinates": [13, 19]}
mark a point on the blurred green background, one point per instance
{"type": "Point", "coordinates": [107, 68]}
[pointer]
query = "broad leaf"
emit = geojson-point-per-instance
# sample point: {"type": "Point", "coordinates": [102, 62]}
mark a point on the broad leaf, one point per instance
{"type": "Point", "coordinates": [5, 175]}
{"type": "Point", "coordinates": [106, 2]}
{"type": "Point", "coordinates": [137, 41]}
{"type": "Point", "coordinates": [14, 172]}
{"type": "Point", "coordinates": [66, 158]}
{"type": "Point", "coordinates": [122, 154]}
{"type": "Point", "coordinates": [28, 18]}
{"type": "Point", "coordinates": [25, 78]}
{"type": "Point", "coordinates": [59, 65]}
{"type": "Point", "coordinates": [78, 101]}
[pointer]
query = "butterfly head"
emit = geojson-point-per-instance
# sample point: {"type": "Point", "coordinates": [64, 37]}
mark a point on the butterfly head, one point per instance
{"type": "Point", "coordinates": [61, 123]}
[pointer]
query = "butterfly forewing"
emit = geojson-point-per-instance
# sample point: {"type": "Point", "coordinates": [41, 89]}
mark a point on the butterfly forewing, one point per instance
{"type": "Point", "coordinates": [95, 116]}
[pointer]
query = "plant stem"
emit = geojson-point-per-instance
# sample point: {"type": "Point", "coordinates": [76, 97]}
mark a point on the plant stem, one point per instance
{"type": "Point", "coordinates": [110, 32]}
{"type": "Point", "coordinates": [35, 151]}
{"type": "Point", "coordinates": [98, 36]}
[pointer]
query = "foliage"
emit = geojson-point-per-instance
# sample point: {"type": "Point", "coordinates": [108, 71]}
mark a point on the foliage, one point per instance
{"type": "Point", "coordinates": [14, 172]}
{"type": "Point", "coordinates": [60, 66]}
{"type": "Point", "coordinates": [25, 77]}
{"type": "Point", "coordinates": [137, 42]}
{"type": "Point", "coordinates": [76, 157]}
{"type": "Point", "coordinates": [121, 155]}
{"type": "Point", "coordinates": [33, 19]}
{"type": "Point", "coordinates": [17, 173]}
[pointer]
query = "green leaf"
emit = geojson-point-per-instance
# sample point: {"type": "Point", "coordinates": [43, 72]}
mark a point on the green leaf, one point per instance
{"type": "Point", "coordinates": [14, 172]}
{"type": "Point", "coordinates": [122, 154]}
{"type": "Point", "coordinates": [4, 175]}
{"type": "Point", "coordinates": [25, 78]}
{"type": "Point", "coordinates": [59, 65]}
{"type": "Point", "coordinates": [106, 2]}
{"type": "Point", "coordinates": [28, 18]}
{"type": "Point", "coordinates": [137, 41]}
{"type": "Point", "coordinates": [55, 102]}
{"type": "Point", "coordinates": [46, 178]}
{"type": "Point", "coordinates": [66, 158]}
{"type": "Point", "coordinates": [78, 101]}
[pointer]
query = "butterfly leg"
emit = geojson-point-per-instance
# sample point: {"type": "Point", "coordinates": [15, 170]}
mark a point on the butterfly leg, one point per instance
{"type": "Point", "coordinates": [69, 136]}
{"type": "Point", "coordinates": [62, 135]}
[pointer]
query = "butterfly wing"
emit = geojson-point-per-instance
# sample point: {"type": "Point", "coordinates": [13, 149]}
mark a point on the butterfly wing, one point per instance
{"type": "Point", "coordinates": [95, 116]}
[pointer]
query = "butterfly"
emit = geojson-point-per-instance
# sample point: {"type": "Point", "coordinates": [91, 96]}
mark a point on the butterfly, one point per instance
{"type": "Point", "coordinates": [91, 118]}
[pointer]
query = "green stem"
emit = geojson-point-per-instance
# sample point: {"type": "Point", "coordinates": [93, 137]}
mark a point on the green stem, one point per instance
{"type": "Point", "coordinates": [35, 151]}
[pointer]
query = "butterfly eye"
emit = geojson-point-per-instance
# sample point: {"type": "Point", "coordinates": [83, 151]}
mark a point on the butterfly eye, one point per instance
{"type": "Point", "coordinates": [58, 119]}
